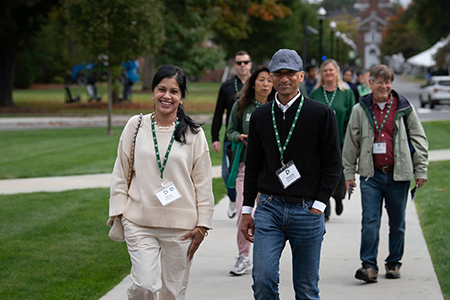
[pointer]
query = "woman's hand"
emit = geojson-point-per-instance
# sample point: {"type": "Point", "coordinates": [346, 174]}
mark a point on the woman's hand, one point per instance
{"type": "Point", "coordinates": [197, 239]}
{"type": "Point", "coordinates": [242, 136]}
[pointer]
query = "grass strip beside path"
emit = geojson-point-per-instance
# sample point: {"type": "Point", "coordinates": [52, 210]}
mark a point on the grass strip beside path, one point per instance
{"type": "Point", "coordinates": [433, 207]}
{"type": "Point", "coordinates": [59, 152]}
{"type": "Point", "coordinates": [438, 134]}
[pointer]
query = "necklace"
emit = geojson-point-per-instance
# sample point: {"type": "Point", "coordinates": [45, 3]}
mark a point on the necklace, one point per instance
{"type": "Point", "coordinates": [329, 102]}
{"type": "Point", "coordinates": [163, 127]}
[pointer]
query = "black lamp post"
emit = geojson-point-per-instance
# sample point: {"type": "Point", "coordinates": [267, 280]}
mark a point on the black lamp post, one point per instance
{"type": "Point", "coordinates": [344, 47]}
{"type": "Point", "coordinates": [332, 29]}
{"type": "Point", "coordinates": [338, 44]}
{"type": "Point", "coordinates": [321, 13]}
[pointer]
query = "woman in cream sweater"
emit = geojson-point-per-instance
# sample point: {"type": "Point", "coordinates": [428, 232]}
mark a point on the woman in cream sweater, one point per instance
{"type": "Point", "coordinates": [167, 210]}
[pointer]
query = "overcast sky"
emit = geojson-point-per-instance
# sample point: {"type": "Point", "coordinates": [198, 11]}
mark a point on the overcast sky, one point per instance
{"type": "Point", "coordinates": [405, 3]}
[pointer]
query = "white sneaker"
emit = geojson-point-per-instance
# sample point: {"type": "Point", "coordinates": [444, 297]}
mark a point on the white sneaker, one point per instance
{"type": "Point", "coordinates": [243, 264]}
{"type": "Point", "coordinates": [231, 211]}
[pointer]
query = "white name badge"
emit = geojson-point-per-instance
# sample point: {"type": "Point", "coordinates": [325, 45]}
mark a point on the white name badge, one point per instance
{"type": "Point", "coordinates": [379, 148]}
{"type": "Point", "coordinates": [288, 174]}
{"type": "Point", "coordinates": [167, 194]}
{"type": "Point", "coordinates": [247, 117]}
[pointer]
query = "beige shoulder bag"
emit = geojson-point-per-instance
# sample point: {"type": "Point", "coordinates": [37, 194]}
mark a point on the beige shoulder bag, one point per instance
{"type": "Point", "coordinates": [116, 231]}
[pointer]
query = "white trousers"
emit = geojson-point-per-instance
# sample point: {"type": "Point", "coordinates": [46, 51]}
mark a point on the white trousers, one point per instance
{"type": "Point", "coordinates": [160, 268]}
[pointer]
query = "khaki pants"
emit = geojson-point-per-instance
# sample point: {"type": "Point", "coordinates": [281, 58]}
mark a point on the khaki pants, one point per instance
{"type": "Point", "coordinates": [160, 268]}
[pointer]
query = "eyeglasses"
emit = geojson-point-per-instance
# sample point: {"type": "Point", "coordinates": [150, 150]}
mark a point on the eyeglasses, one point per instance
{"type": "Point", "coordinates": [239, 63]}
{"type": "Point", "coordinates": [380, 83]}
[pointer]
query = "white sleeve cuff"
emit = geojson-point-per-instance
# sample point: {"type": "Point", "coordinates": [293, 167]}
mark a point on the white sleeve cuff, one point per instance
{"type": "Point", "coordinates": [247, 210]}
{"type": "Point", "coordinates": [319, 205]}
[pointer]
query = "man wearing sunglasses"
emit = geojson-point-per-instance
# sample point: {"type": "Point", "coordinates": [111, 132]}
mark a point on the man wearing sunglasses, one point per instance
{"type": "Point", "coordinates": [228, 93]}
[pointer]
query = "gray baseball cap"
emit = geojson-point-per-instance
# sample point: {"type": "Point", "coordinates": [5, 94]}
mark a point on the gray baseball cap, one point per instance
{"type": "Point", "coordinates": [286, 59]}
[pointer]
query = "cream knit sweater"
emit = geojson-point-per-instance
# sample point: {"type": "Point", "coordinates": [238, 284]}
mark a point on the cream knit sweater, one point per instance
{"type": "Point", "coordinates": [188, 167]}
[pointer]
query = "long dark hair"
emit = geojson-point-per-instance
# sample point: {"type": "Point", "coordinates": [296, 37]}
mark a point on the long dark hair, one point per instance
{"type": "Point", "coordinates": [174, 72]}
{"type": "Point", "coordinates": [248, 93]}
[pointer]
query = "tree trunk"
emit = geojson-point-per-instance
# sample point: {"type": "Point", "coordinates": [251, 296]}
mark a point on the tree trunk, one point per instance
{"type": "Point", "coordinates": [7, 67]}
{"type": "Point", "coordinates": [110, 97]}
{"type": "Point", "coordinates": [148, 71]}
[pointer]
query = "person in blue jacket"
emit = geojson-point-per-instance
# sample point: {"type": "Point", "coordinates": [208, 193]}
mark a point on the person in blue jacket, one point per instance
{"type": "Point", "coordinates": [131, 76]}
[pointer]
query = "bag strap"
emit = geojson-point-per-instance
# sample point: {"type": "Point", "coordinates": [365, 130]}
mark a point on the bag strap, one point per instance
{"type": "Point", "coordinates": [130, 170]}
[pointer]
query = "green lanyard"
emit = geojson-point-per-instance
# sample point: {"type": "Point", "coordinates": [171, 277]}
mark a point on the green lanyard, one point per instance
{"type": "Point", "coordinates": [277, 136]}
{"type": "Point", "coordinates": [155, 142]}
{"type": "Point", "coordinates": [257, 103]}
{"type": "Point", "coordinates": [384, 121]}
{"type": "Point", "coordinates": [329, 102]}
{"type": "Point", "coordinates": [238, 93]}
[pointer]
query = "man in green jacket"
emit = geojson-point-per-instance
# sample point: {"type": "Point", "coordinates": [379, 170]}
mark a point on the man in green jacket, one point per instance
{"type": "Point", "coordinates": [386, 145]}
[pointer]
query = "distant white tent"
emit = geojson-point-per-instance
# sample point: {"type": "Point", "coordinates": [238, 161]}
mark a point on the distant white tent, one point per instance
{"type": "Point", "coordinates": [425, 58]}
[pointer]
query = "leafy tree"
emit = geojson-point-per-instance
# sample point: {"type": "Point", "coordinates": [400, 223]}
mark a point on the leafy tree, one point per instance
{"type": "Point", "coordinates": [19, 21]}
{"type": "Point", "coordinates": [347, 24]}
{"type": "Point", "coordinates": [433, 18]}
{"type": "Point", "coordinates": [402, 36]}
{"type": "Point", "coordinates": [256, 26]}
{"type": "Point", "coordinates": [187, 26]}
{"type": "Point", "coordinates": [442, 57]}
{"type": "Point", "coordinates": [46, 55]}
{"type": "Point", "coordinates": [114, 31]}
{"type": "Point", "coordinates": [337, 4]}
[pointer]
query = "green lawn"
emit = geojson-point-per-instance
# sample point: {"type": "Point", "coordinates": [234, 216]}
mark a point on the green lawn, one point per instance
{"type": "Point", "coordinates": [438, 133]}
{"type": "Point", "coordinates": [201, 99]}
{"type": "Point", "coordinates": [433, 206]}
{"type": "Point", "coordinates": [56, 246]}
{"type": "Point", "coordinates": [57, 152]}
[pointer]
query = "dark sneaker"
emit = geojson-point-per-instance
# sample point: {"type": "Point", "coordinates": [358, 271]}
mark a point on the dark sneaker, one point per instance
{"type": "Point", "coordinates": [339, 207]}
{"type": "Point", "coordinates": [367, 274]}
{"type": "Point", "coordinates": [392, 271]}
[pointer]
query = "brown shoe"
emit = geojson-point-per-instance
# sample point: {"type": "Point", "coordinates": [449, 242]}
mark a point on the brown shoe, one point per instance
{"type": "Point", "coordinates": [392, 271]}
{"type": "Point", "coordinates": [368, 274]}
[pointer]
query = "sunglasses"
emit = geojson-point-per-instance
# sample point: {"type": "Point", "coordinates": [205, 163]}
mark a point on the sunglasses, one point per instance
{"type": "Point", "coordinates": [239, 63]}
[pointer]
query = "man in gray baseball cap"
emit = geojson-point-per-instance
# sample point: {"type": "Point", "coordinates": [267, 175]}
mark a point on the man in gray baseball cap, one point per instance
{"type": "Point", "coordinates": [286, 59]}
{"type": "Point", "coordinates": [293, 163]}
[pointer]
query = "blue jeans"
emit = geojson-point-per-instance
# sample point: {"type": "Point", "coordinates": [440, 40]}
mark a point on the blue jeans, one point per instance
{"type": "Point", "coordinates": [275, 223]}
{"type": "Point", "coordinates": [395, 194]}
{"type": "Point", "coordinates": [230, 192]}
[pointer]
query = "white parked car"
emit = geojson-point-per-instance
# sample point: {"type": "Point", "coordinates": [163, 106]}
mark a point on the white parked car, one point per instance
{"type": "Point", "coordinates": [436, 91]}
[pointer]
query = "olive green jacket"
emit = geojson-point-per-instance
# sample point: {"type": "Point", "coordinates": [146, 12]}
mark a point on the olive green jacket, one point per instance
{"type": "Point", "coordinates": [357, 154]}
